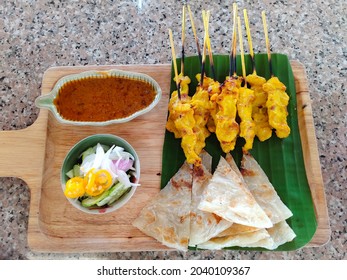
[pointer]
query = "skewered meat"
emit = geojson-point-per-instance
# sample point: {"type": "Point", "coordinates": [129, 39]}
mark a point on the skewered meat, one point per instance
{"type": "Point", "coordinates": [181, 120]}
{"type": "Point", "coordinates": [263, 130]}
{"type": "Point", "coordinates": [227, 128]}
{"type": "Point", "coordinates": [276, 104]}
{"type": "Point", "coordinates": [201, 106]}
{"type": "Point", "coordinates": [184, 81]}
{"type": "Point", "coordinates": [213, 88]}
{"type": "Point", "coordinates": [244, 109]}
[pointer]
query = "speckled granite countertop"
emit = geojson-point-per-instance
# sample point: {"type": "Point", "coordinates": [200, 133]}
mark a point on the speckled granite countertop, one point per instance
{"type": "Point", "coordinates": [36, 35]}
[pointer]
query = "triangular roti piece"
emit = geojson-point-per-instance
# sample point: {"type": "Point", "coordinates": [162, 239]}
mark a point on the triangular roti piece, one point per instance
{"type": "Point", "coordinates": [235, 229]}
{"type": "Point", "coordinates": [266, 242]}
{"type": "Point", "coordinates": [206, 160]}
{"type": "Point", "coordinates": [167, 216]}
{"type": "Point", "coordinates": [262, 190]}
{"type": "Point", "coordinates": [240, 240]}
{"type": "Point", "coordinates": [229, 158]}
{"type": "Point", "coordinates": [203, 225]}
{"type": "Point", "coordinates": [227, 196]}
{"type": "Point", "coordinates": [280, 233]}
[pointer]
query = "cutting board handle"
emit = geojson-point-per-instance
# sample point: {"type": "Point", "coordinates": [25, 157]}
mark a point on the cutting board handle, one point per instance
{"type": "Point", "coordinates": [22, 151]}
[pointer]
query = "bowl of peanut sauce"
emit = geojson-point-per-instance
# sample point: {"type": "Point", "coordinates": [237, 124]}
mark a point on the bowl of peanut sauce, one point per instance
{"type": "Point", "coordinates": [101, 97]}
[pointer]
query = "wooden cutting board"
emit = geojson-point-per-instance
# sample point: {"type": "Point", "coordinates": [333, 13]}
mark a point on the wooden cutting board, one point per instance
{"type": "Point", "coordinates": [35, 154]}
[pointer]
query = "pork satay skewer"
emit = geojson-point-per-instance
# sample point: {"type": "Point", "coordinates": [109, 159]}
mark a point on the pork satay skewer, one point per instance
{"type": "Point", "coordinates": [227, 128]}
{"type": "Point", "coordinates": [176, 96]}
{"type": "Point", "coordinates": [245, 102]}
{"type": "Point", "coordinates": [263, 130]}
{"type": "Point", "coordinates": [278, 99]}
{"type": "Point", "coordinates": [201, 105]}
{"type": "Point", "coordinates": [181, 118]}
{"type": "Point", "coordinates": [210, 85]}
{"type": "Point", "coordinates": [182, 92]}
{"type": "Point", "coordinates": [181, 80]}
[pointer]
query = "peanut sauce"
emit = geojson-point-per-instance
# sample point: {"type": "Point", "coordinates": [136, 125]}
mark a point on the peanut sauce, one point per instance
{"type": "Point", "coordinates": [103, 99]}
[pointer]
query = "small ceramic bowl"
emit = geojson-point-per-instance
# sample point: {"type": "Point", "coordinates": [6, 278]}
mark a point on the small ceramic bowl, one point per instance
{"type": "Point", "coordinates": [47, 101]}
{"type": "Point", "coordinates": [73, 156]}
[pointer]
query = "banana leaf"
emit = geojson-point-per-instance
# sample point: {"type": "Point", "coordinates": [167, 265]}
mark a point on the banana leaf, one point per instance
{"type": "Point", "coordinates": [281, 159]}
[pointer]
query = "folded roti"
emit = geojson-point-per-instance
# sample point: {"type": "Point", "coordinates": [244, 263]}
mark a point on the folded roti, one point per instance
{"type": "Point", "coordinates": [203, 225]}
{"type": "Point", "coordinates": [235, 229]}
{"type": "Point", "coordinates": [242, 239]}
{"type": "Point", "coordinates": [229, 158]}
{"type": "Point", "coordinates": [167, 216]}
{"type": "Point", "coordinates": [227, 196]}
{"type": "Point", "coordinates": [270, 238]}
{"type": "Point", "coordinates": [206, 160]}
{"type": "Point", "coordinates": [280, 233]}
{"type": "Point", "coordinates": [262, 190]}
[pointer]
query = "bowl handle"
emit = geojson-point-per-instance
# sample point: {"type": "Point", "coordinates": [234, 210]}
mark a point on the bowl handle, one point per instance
{"type": "Point", "coordinates": [45, 101]}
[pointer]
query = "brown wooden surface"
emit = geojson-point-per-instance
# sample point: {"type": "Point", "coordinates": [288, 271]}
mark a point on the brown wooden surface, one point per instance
{"type": "Point", "coordinates": [56, 226]}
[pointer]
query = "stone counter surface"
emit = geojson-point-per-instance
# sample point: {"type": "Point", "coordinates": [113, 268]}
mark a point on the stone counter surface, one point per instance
{"type": "Point", "coordinates": [36, 35]}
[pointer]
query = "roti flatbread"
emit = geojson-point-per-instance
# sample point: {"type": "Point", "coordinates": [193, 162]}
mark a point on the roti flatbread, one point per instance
{"type": "Point", "coordinates": [246, 237]}
{"type": "Point", "coordinates": [235, 229]}
{"type": "Point", "coordinates": [242, 239]}
{"type": "Point", "coordinates": [167, 216]}
{"type": "Point", "coordinates": [206, 160]}
{"type": "Point", "coordinates": [229, 158]}
{"type": "Point", "coordinates": [268, 199]}
{"type": "Point", "coordinates": [262, 190]}
{"type": "Point", "coordinates": [203, 225]}
{"type": "Point", "coordinates": [280, 233]}
{"type": "Point", "coordinates": [227, 196]}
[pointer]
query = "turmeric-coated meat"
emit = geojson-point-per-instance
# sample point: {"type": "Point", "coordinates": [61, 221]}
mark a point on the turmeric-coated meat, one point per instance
{"type": "Point", "coordinates": [276, 104]}
{"type": "Point", "coordinates": [244, 109]}
{"type": "Point", "coordinates": [227, 128]}
{"type": "Point", "coordinates": [263, 130]}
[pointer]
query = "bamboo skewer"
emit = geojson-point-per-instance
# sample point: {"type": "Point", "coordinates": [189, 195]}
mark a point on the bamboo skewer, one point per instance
{"type": "Point", "coordinates": [175, 64]}
{"type": "Point", "coordinates": [203, 59]}
{"type": "Point", "coordinates": [267, 42]}
{"type": "Point", "coordinates": [195, 36]}
{"type": "Point", "coordinates": [249, 38]}
{"type": "Point", "coordinates": [232, 67]}
{"type": "Point", "coordinates": [242, 51]}
{"type": "Point", "coordinates": [206, 18]}
{"type": "Point", "coordinates": [183, 37]}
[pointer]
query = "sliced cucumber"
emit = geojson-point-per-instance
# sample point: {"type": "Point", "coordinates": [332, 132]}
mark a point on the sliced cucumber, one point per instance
{"type": "Point", "coordinates": [118, 197]}
{"type": "Point", "coordinates": [76, 170]}
{"type": "Point", "coordinates": [70, 174]}
{"type": "Point", "coordinates": [90, 201]}
{"type": "Point", "coordinates": [115, 193]}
